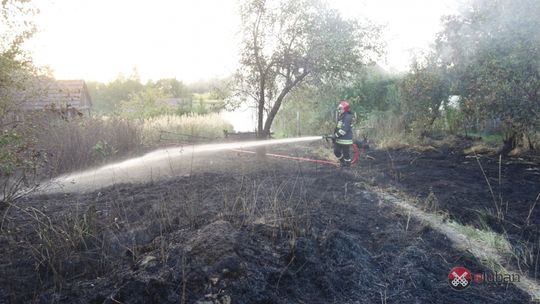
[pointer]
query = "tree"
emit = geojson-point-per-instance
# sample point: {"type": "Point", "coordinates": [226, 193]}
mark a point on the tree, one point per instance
{"type": "Point", "coordinates": [423, 91]}
{"type": "Point", "coordinates": [286, 43]}
{"type": "Point", "coordinates": [170, 87]}
{"type": "Point", "coordinates": [15, 65]}
{"type": "Point", "coordinates": [371, 89]}
{"type": "Point", "coordinates": [107, 98]}
{"type": "Point", "coordinates": [18, 157]}
{"type": "Point", "coordinates": [144, 104]}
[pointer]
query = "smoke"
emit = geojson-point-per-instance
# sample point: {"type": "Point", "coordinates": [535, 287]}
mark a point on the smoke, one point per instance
{"type": "Point", "coordinates": [503, 26]}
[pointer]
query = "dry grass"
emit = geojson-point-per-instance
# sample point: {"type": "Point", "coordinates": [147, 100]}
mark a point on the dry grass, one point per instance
{"type": "Point", "coordinates": [85, 239]}
{"type": "Point", "coordinates": [491, 249]}
{"type": "Point", "coordinates": [425, 148]}
{"type": "Point", "coordinates": [480, 149]}
{"type": "Point", "coordinates": [393, 143]}
{"type": "Point", "coordinates": [60, 246]}
{"type": "Point", "coordinates": [186, 128]}
{"type": "Point", "coordinates": [279, 204]}
{"type": "Point", "coordinates": [325, 151]}
{"type": "Point", "coordinates": [80, 143]}
{"type": "Point", "coordinates": [388, 132]}
{"type": "Point", "coordinates": [516, 152]}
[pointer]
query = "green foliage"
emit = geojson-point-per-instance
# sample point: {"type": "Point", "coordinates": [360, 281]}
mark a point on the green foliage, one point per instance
{"type": "Point", "coordinates": [488, 57]}
{"type": "Point", "coordinates": [368, 90]}
{"type": "Point", "coordinates": [493, 139]}
{"type": "Point", "coordinates": [387, 130]}
{"type": "Point", "coordinates": [171, 88]}
{"type": "Point", "coordinates": [424, 91]}
{"type": "Point", "coordinates": [144, 104]}
{"type": "Point", "coordinates": [15, 153]}
{"type": "Point", "coordinates": [15, 65]}
{"type": "Point", "coordinates": [18, 157]}
{"type": "Point", "coordinates": [19, 161]}
{"type": "Point", "coordinates": [493, 53]}
{"type": "Point", "coordinates": [104, 150]}
{"type": "Point", "coordinates": [107, 98]}
{"type": "Point", "coordinates": [452, 119]}
{"type": "Point", "coordinates": [314, 117]}
{"type": "Point", "coordinates": [371, 89]}
{"type": "Point", "coordinates": [18, 26]}
{"type": "Point", "coordinates": [130, 98]}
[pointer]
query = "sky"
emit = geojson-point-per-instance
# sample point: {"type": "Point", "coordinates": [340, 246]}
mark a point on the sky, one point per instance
{"type": "Point", "coordinates": [191, 40]}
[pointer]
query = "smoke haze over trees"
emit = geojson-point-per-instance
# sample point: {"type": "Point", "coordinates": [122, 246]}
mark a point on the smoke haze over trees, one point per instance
{"type": "Point", "coordinates": [481, 75]}
{"type": "Point", "coordinates": [490, 57]}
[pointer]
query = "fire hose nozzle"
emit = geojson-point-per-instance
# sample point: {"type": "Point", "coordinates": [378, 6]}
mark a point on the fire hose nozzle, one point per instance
{"type": "Point", "coordinates": [329, 137]}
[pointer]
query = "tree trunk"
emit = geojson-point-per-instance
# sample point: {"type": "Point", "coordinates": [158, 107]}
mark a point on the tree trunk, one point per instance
{"type": "Point", "coordinates": [511, 141]}
{"type": "Point", "coordinates": [260, 114]}
{"type": "Point", "coordinates": [260, 110]}
{"type": "Point", "coordinates": [531, 142]}
{"type": "Point", "coordinates": [427, 127]}
{"type": "Point", "coordinates": [273, 112]}
{"type": "Point", "coordinates": [279, 101]}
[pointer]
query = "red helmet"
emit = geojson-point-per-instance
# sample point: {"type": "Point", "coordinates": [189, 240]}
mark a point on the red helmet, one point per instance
{"type": "Point", "coordinates": [344, 105]}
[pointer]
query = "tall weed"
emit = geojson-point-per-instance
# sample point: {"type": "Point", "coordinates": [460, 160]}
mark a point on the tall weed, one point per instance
{"type": "Point", "coordinates": [185, 128]}
{"type": "Point", "coordinates": [80, 143]}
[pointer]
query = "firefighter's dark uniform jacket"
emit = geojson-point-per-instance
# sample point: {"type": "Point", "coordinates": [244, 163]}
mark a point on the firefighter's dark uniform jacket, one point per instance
{"type": "Point", "coordinates": [343, 130]}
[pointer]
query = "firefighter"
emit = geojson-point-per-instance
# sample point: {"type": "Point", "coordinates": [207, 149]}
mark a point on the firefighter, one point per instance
{"type": "Point", "coordinates": [343, 134]}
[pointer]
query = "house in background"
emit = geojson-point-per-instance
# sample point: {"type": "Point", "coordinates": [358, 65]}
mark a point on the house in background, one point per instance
{"type": "Point", "coordinates": [69, 98]}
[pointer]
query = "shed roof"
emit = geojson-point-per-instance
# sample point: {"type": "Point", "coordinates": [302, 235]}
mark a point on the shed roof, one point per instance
{"type": "Point", "coordinates": [60, 93]}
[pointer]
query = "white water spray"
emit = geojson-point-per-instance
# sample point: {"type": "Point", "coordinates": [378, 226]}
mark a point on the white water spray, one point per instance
{"type": "Point", "coordinates": [155, 165]}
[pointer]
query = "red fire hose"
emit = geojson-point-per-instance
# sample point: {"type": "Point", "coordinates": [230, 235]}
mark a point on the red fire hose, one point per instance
{"type": "Point", "coordinates": [318, 161]}
{"type": "Point", "coordinates": [356, 157]}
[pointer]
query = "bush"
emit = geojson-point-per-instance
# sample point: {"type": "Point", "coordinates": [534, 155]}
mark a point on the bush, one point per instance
{"type": "Point", "coordinates": [451, 120]}
{"type": "Point", "coordinates": [387, 130]}
{"type": "Point", "coordinates": [19, 162]}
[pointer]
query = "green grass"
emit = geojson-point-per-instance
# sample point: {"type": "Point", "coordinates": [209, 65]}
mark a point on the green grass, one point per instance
{"type": "Point", "coordinates": [486, 237]}
{"type": "Point", "coordinates": [490, 139]}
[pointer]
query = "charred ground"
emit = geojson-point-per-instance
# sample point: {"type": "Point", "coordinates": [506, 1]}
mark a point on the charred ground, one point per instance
{"type": "Point", "coordinates": [445, 179]}
{"type": "Point", "coordinates": [242, 230]}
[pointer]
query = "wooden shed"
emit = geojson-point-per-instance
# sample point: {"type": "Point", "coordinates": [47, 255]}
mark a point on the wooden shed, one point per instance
{"type": "Point", "coordinates": [69, 97]}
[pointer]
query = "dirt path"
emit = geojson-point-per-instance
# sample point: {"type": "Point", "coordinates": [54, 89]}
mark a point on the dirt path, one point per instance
{"type": "Point", "coordinates": [241, 230]}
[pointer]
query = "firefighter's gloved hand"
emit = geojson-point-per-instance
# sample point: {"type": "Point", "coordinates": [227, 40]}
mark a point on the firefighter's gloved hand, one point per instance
{"type": "Point", "coordinates": [335, 135]}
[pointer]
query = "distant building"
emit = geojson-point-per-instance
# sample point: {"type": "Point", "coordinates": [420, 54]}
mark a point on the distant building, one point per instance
{"type": "Point", "coordinates": [67, 97]}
